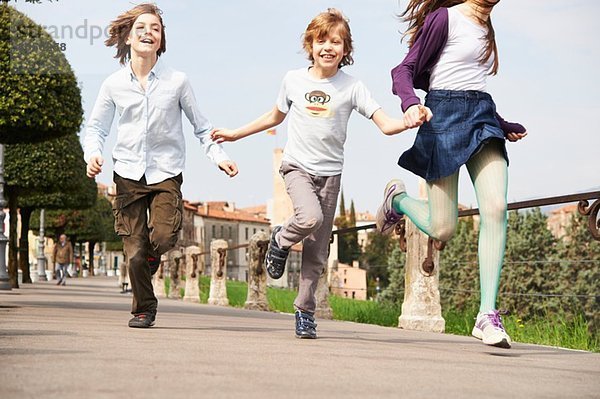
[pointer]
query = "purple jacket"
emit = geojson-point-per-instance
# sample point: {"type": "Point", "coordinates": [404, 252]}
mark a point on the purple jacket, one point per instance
{"type": "Point", "coordinates": [415, 70]}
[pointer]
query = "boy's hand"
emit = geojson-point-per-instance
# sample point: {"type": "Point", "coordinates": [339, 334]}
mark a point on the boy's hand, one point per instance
{"type": "Point", "coordinates": [220, 135]}
{"type": "Point", "coordinates": [416, 115]}
{"type": "Point", "coordinates": [515, 136]}
{"type": "Point", "coordinates": [94, 166]}
{"type": "Point", "coordinates": [229, 167]}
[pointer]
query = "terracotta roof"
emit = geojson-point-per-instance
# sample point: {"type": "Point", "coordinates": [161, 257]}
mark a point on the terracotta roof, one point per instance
{"type": "Point", "coordinates": [223, 210]}
{"type": "Point", "coordinates": [571, 208]}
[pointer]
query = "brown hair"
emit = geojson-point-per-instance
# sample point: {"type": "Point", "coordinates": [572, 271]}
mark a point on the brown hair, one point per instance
{"type": "Point", "coordinates": [120, 28]}
{"type": "Point", "coordinates": [417, 10]}
{"type": "Point", "coordinates": [321, 26]}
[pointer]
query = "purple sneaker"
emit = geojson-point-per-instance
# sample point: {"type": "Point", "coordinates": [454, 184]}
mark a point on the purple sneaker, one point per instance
{"type": "Point", "coordinates": [387, 218]}
{"type": "Point", "coordinates": [488, 328]}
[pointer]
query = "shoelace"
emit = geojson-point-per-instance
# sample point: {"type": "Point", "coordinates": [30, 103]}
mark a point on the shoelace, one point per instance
{"type": "Point", "coordinates": [495, 319]}
{"type": "Point", "coordinates": [306, 321]}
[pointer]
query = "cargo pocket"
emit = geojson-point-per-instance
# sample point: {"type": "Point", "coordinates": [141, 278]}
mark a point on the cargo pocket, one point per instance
{"type": "Point", "coordinates": [177, 215]}
{"type": "Point", "coordinates": [122, 226]}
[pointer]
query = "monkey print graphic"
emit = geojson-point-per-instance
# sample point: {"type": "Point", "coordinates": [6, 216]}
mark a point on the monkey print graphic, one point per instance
{"type": "Point", "coordinates": [317, 104]}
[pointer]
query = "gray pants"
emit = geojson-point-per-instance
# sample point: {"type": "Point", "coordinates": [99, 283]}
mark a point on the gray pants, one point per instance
{"type": "Point", "coordinates": [314, 199]}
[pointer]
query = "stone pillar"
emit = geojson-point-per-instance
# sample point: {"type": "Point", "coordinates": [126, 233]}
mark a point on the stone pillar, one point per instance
{"type": "Point", "coordinates": [194, 264]}
{"type": "Point", "coordinates": [175, 272]}
{"type": "Point", "coordinates": [323, 310]}
{"type": "Point", "coordinates": [257, 275]}
{"type": "Point", "coordinates": [159, 278]}
{"type": "Point", "coordinates": [124, 275]}
{"type": "Point", "coordinates": [421, 309]}
{"type": "Point", "coordinates": [218, 261]}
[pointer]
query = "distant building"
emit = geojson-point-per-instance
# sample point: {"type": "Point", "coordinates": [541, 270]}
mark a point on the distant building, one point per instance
{"type": "Point", "coordinates": [560, 219]}
{"type": "Point", "coordinates": [348, 281]}
{"type": "Point", "coordinates": [207, 221]}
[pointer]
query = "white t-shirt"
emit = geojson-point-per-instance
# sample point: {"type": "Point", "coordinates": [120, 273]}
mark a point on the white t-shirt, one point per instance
{"type": "Point", "coordinates": [318, 112]}
{"type": "Point", "coordinates": [458, 67]}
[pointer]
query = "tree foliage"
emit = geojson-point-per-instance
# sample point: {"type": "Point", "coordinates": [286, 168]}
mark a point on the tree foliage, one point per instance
{"type": "Point", "coordinates": [348, 248]}
{"type": "Point", "coordinates": [394, 292]}
{"type": "Point", "coordinates": [40, 96]}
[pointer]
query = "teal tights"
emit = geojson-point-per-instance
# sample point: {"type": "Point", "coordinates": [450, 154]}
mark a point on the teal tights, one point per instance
{"type": "Point", "coordinates": [438, 216]}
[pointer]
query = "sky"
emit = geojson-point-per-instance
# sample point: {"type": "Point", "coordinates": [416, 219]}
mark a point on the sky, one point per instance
{"type": "Point", "coordinates": [236, 52]}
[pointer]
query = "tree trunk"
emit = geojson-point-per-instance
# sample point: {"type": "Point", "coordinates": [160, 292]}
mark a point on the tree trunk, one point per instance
{"type": "Point", "coordinates": [24, 244]}
{"type": "Point", "coordinates": [91, 246]}
{"type": "Point", "coordinates": [13, 274]}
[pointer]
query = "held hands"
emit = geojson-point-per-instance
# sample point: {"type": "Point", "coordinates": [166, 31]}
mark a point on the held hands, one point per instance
{"type": "Point", "coordinates": [416, 115]}
{"type": "Point", "coordinates": [229, 167]}
{"type": "Point", "coordinates": [220, 135]}
{"type": "Point", "coordinates": [512, 137]}
{"type": "Point", "coordinates": [94, 166]}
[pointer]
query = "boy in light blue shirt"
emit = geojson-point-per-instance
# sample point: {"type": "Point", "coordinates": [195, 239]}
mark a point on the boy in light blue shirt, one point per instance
{"type": "Point", "coordinates": [149, 154]}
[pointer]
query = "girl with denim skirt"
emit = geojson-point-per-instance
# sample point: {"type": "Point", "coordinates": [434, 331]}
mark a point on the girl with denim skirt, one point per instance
{"type": "Point", "coordinates": [452, 49]}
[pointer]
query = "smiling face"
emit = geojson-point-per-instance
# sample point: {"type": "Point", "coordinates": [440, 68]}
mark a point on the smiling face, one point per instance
{"type": "Point", "coordinates": [145, 36]}
{"type": "Point", "coordinates": [328, 51]}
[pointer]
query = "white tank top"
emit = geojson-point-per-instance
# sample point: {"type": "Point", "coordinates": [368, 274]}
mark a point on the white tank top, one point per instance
{"type": "Point", "coordinates": [458, 67]}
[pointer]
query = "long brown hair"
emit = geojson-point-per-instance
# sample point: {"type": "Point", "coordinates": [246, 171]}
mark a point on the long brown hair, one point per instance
{"type": "Point", "coordinates": [120, 28]}
{"type": "Point", "coordinates": [322, 25]}
{"type": "Point", "coordinates": [417, 10]}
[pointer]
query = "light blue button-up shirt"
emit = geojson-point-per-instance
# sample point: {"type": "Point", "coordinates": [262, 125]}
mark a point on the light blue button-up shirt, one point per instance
{"type": "Point", "coordinates": [150, 138]}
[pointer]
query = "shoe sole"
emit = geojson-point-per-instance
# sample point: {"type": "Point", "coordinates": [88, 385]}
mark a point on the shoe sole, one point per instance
{"type": "Point", "coordinates": [503, 343]}
{"type": "Point", "coordinates": [305, 336]}
{"type": "Point", "coordinates": [141, 326]}
{"type": "Point", "coordinates": [380, 215]}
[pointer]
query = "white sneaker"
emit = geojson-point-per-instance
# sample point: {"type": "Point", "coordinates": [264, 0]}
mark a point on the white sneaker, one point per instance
{"type": "Point", "coordinates": [387, 217]}
{"type": "Point", "coordinates": [488, 328]}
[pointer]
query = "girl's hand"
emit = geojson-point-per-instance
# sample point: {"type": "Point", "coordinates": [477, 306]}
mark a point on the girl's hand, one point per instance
{"type": "Point", "coordinates": [416, 115]}
{"type": "Point", "coordinates": [220, 135]}
{"type": "Point", "coordinates": [515, 136]}
{"type": "Point", "coordinates": [229, 167]}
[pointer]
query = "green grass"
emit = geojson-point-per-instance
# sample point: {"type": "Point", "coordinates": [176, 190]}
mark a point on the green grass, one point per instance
{"type": "Point", "coordinates": [552, 330]}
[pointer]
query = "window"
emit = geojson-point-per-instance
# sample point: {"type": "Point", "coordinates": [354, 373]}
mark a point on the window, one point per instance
{"type": "Point", "coordinates": [246, 234]}
{"type": "Point", "coordinates": [254, 232]}
{"type": "Point", "coordinates": [230, 234]}
{"type": "Point", "coordinates": [353, 294]}
{"type": "Point", "coordinates": [344, 281]}
{"type": "Point", "coordinates": [214, 231]}
{"type": "Point", "coordinates": [222, 232]}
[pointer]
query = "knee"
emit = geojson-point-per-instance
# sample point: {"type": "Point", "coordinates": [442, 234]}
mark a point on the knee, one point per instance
{"type": "Point", "coordinates": [162, 241]}
{"type": "Point", "coordinates": [493, 211]}
{"type": "Point", "coordinates": [311, 221]}
{"type": "Point", "coordinates": [445, 231]}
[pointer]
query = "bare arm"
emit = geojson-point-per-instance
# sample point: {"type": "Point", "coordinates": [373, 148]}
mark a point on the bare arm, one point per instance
{"type": "Point", "coordinates": [390, 126]}
{"type": "Point", "coordinates": [266, 121]}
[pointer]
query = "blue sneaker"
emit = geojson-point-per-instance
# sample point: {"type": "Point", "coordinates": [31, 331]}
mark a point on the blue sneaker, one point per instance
{"type": "Point", "coordinates": [387, 217]}
{"type": "Point", "coordinates": [305, 325]}
{"type": "Point", "coordinates": [276, 257]}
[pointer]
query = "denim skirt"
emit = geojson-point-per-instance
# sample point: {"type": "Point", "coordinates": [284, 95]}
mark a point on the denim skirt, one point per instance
{"type": "Point", "coordinates": [463, 122]}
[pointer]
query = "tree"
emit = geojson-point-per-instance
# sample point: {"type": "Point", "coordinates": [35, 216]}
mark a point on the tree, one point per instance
{"type": "Point", "coordinates": [49, 174]}
{"type": "Point", "coordinates": [375, 256]}
{"type": "Point", "coordinates": [529, 267]}
{"type": "Point", "coordinates": [40, 97]}
{"type": "Point", "coordinates": [348, 248]}
{"type": "Point", "coordinates": [580, 254]}
{"type": "Point", "coordinates": [394, 292]}
{"type": "Point", "coordinates": [92, 225]}
{"type": "Point", "coordinates": [459, 271]}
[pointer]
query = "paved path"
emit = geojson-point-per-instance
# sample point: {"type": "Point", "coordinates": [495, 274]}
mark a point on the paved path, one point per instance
{"type": "Point", "coordinates": [73, 342]}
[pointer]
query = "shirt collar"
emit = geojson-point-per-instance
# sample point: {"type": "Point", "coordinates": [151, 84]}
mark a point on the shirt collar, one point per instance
{"type": "Point", "coordinates": [156, 70]}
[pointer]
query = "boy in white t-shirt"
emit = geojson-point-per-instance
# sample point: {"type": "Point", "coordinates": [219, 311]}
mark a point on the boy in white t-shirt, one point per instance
{"type": "Point", "coordinates": [319, 100]}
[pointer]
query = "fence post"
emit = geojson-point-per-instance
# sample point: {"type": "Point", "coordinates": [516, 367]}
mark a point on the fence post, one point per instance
{"type": "Point", "coordinates": [194, 264]}
{"type": "Point", "coordinates": [421, 309]}
{"type": "Point", "coordinates": [257, 276]}
{"type": "Point", "coordinates": [218, 261]}
{"type": "Point", "coordinates": [323, 309]}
